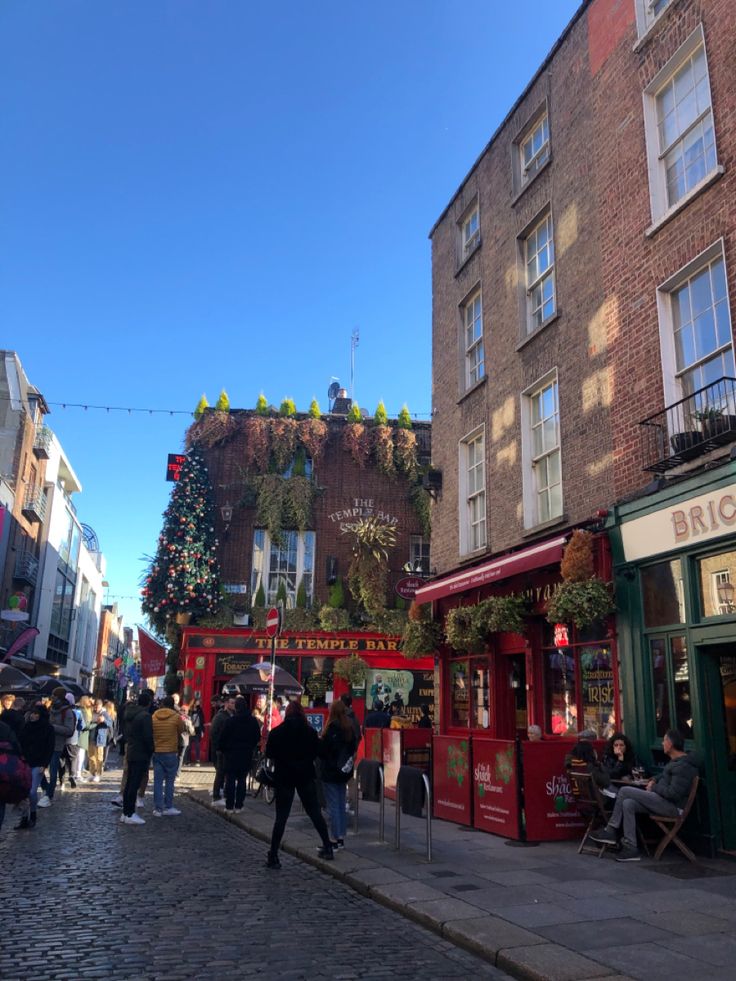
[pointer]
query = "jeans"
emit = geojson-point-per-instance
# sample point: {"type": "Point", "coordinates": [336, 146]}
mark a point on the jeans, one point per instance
{"type": "Point", "coordinates": [307, 791]}
{"type": "Point", "coordinates": [219, 775]}
{"type": "Point", "coordinates": [235, 789]}
{"type": "Point", "coordinates": [136, 772]}
{"type": "Point", "coordinates": [195, 749]}
{"type": "Point", "coordinates": [165, 768]}
{"type": "Point", "coordinates": [335, 799]}
{"type": "Point", "coordinates": [49, 786]}
{"type": "Point", "coordinates": [81, 757]}
{"type": "Point", "coordinates": [631, 801]}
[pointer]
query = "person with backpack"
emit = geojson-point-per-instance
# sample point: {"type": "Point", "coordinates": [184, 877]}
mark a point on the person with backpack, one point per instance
{"type": "Point", "coordinates": [37, 745]}
{"type": "Point", "coordinates": [337, 761]}
{"type": "Point", "coordinates": [64, 722]}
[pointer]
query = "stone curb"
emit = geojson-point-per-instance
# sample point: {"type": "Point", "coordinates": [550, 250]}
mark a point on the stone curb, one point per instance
{"type": "Point", "coordinates": [530, 957]}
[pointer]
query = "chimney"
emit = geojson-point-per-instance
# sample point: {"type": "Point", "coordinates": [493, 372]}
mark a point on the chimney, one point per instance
{"type": "Point", "coordinates": [341, 405]}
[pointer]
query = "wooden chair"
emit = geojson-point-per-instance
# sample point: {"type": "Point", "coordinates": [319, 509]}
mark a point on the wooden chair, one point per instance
{"type": "Point", "coordinates": [671, 826]}
{"type": "Point", "coordinates": [591, 805]}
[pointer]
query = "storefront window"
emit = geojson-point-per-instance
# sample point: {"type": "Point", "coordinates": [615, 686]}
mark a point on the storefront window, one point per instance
{"type": "Point", "coordinates": [661, 586]}
{"type": "Point", "coordinates": [290, 664]}
{"type": "Point", "coordinates": [459, 700]}
{"type": "Point", "coordinates": [579, 688]}
{"type": "Point", "coordinates": [717, 579]}
{"type": "Point", "coordinates": [681, 681]}
{"type": "Point", "coordinates": [658, 650]}
{"type": "Point", "coordinates": [671, 685]}
{"type": "Point", "coordinates": [481, 694]}
{"type": "Point", "coordinates": [317, 680]}
{"type": "Point", "coordinates": [596, 679]}
{"type": "Point", "coordinates": [560, 704]}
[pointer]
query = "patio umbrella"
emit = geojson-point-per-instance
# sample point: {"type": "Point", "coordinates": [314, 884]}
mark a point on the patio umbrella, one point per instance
{"type": "Point", "coordinates": [255, 679]}
{"type": "Point", "coordinates": [11, 679]}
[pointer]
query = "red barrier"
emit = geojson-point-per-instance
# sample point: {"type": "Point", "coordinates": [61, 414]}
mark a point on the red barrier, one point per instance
{"type": "Point", "coordinates": [496, 787]}
{"type": "Point", "coordinates": [452, 784]}
{"type": "Point", "coordinates": [373, 745]}
{"type": "Point", "coordinates": [549, 807]}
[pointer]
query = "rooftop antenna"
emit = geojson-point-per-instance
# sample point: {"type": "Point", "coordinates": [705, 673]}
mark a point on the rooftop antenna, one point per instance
{"type": "Point", "coordinates": [355, 337]}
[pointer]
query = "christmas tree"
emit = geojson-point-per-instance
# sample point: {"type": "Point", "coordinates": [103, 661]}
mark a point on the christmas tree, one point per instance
{"type": "Point", "coordinates": [183, 576]}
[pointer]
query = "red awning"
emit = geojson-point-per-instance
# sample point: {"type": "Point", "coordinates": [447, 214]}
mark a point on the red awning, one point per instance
{"type": "Point", "coordinates": [534, 557]}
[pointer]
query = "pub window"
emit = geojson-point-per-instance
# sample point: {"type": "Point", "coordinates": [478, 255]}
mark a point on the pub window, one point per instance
{"type": "Point", "coordinates": [717, 583]}
{"type": "Point", "coordinates": [663, 595]}
{"type": "Point", "coordinates": [579, 690]}
{"type": "Point", "coordinates": [480, 680]}
{"type": "Point", "coordinates": [670, 669]}
{"type": "Point", "coordinates": [317, 680]}
{"type": "Point", "coordinates": [459, 695]}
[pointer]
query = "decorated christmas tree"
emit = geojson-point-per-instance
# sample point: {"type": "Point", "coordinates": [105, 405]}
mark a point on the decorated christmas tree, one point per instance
{"type": "Point", "coordinates": [183, 577]}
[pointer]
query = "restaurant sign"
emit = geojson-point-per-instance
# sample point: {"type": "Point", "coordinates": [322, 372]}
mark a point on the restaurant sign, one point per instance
{"type": "Point", "coordinates": [229, 664]}
{"type": "Point", "coordinates": [452, 781]}
{"type": "Point", "coordinates": [549, 805]}
{"type": "Point", "coordinates": [495, 787]}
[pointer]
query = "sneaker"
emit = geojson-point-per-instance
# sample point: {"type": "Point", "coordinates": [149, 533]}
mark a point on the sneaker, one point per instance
{"type": "Point", "coordinates": [96, 778]}
{"type": "Point", "coordinates": [156, 813]}
{"type": "Point", "coordinates": [44, 801]}
{"type": "Point", "coordinates": [229, 810]}
{"type": "Point", "coordinates": [117, 801]}
{"type": "Point", "coordinates": [326, 853]}
{"type": "Point", "coordinates": [628, 853]}
{"type": "Point", "coordinates": [272, 861]}
{"type": "Point", "coordinates": [238, 810]}
{"type": "Point", "coordinates": [123, 819]}
{"type": "Point", "coordinates": [72, 783]}
{"type": "Point", "coordinates": [135, 819]}
{"type": "Point", "coordinates": [141, 802]}
{"type": "Point", "coordinates": [606, 836]}
{"type": "Point", "coordinates": [220, 802]}
{"type": "Point", "coordinates": [171, 811]}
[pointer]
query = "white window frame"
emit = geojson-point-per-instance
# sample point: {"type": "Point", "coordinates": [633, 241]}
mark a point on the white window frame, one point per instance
{"type": "Point", "coordinates": [470, 231]}
{"type": "Point", "coordinates": [661, 209]}
{"type": "Point", "coordinates": [531, 462]}
{"type": "Point", "coordinates": [474, 364]}
{"type": "Point", "coordinates": [673, 389]}
{"type": "Point", "coordinates": [647, 15]}
{"type": "Point", "coordinates": [531, 168]}
{"type": "Point", "coordinates": [419, 552]}
{"type": "Point", "coordinates": [472, 497]}
{"type": "Point", "coordinates": [530, 285]}
{"type": "Point", "coordinates": [261, 565]}
{"type": "Point", "coordinates": [718, 578]}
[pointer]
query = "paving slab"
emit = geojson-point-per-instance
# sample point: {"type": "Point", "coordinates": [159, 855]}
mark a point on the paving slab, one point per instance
{"type": "Point", "coordinates": [549, 962]}
{"type": "Point", "coordinates": [589, 935]}
{"type": "Point", "coordinates": [435, 913]}
{"type": "Point", "coordinates": [651, 962]}
{"type": "Point", "coordinates": [489, 934]}
{"type": "Point", "coordinates": [686, 923]}
{"type": "Point", "coordinates": [720, 950]}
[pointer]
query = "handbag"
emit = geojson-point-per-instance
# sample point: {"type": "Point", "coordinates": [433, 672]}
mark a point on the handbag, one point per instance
{"type": "Point", "coordinates": [265, 773]}
{"type": "Point", "coordinates": [15, 776]}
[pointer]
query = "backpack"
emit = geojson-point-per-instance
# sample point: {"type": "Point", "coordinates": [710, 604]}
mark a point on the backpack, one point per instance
{"type": "Point", "coordinates": [15, 776]}
{"type": "Point", "coordinates": [80, 720]}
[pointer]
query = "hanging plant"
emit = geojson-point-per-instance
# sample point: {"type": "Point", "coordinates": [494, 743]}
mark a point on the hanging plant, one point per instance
{"type": "Point", "coordinates": [300, 620]}
{"type": "Point", "coordinates": [351, 669]}
{"type": "Point", "coordinates": [500, 613]}
{"type": "Point", "coordinates": [355, 439]}
{"type": "Point", "coordinates": [332, 619]}
{"type": "Point", "coordinates": [283, 442]}
{"type": "Point", "coordinates": [461, 630]}
{"type": "Point", "coordinates": [313, 435]}
{"type": "Point", "coordinates": [421, 501]}
{"type": "Point", "coordinates": [390, 622]}
{"type": "Point", "coordinates": [582, 603]}
{"type": "Point", "coordinates": [383, 449]}
{"type": "Point", "coordinates": [270, 491]}
{"type": "Point", "coordinates": [405, 453]}
{"type": "Point", "coordinates": [298, 501]}
{"type": "Point", "coordinates": [368, 572]}
{"type": "Point", "coordinates": [577, 562]}
{"type": "Point", "coordinates": [257, 443]}
{"type": "Point", "coordinates": [211, 429]}
{"type": "Point", "coordinates": [420, 638]}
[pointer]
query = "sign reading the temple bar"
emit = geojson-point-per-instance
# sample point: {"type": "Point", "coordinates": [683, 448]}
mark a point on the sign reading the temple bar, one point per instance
{"type": "Point", "coordinates": [173, 467]}
{"type": "Point", "coordinates": [361, 507]}
{"type": "Point", "coordinates": [329, 643]}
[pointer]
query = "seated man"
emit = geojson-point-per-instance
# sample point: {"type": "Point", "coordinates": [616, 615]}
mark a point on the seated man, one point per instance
{"type": "Point", "coordinates": [666, 795]}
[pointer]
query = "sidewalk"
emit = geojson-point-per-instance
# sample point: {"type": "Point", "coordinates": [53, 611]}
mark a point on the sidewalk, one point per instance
{"type": "Point", "coordinates": [538, 912]}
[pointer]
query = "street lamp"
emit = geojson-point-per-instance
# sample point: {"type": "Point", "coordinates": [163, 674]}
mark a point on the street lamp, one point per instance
{"type": "Point", "coordinates": [726, 591]}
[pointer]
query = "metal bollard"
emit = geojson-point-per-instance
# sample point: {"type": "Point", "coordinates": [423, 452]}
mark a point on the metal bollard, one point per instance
{"type": "Point", "coordinates": [428, 793]}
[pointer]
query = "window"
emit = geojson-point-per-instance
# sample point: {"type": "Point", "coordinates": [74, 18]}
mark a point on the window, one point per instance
{"type": "Point", "coordinates": [480, 681]}
{"type": "Point", "coordinates": [545, 502]}
{"type": "Point", "coordinates": [419, 553]}
{"type": "Point", "coordinates": [579, 689]}
{"type": "Point", "coordinates": [647, 11]}
{"type": "Point", "coordinates": [473, 498]}
{"type": "Point", "coordinates": [534, 149]}
{"type": "Point", "coordinates": [473, 340]}
{"type": "Point", "coordinates": [717, 575]}
{"type": "Point", "coordinates": [459, 696]}
{"type": "Point", "coordinates": [678, 118]}
{"type": "Point", "coordinates": [671, 685]}
{"type": "Point", "coordinates": [539, 262]}
{"type": "Point", "coordinates": [663, 594]}
{"type": "Point", "coordinates": [289, 561]}
{"type": "Point", "coordinates": [469, 232]}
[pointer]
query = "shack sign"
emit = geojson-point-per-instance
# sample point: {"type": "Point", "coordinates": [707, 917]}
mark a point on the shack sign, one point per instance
{"type": "Point", "coordinates": [408, 586]}
{"type": "Point", "coordinates": [174, 465]}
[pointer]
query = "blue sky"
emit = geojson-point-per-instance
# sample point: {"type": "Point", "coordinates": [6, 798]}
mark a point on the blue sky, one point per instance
{"type": "Point", "coordinates": [198, 194]}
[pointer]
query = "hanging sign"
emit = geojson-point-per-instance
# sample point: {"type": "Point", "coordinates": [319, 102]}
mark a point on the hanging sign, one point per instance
{"type": "Point", "coordinates": [562, 637]}
{"type": "Point", "coordinates": [173, 466]}
{"type": "Point", "coordinates": [407, 587]}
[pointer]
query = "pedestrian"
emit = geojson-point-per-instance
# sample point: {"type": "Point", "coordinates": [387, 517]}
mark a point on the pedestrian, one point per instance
{"type": "Point", "coordinates": [168, 729]}
{"type": "Point", "coordinates": [68, 766]}
{"type": "Point", "coordinates": [37, 740]}
{"type": "Point", "coordinates": [347, 701]}
{"type": "Point", "coordinates": [111, 716]}
{"type": "Point", "coordinates": [337, 761]}
{"type": "Point", "coordinates": [218, 724]}
{"type": "Point", "coordinates": [99, 737]}
{"type": "Point", "coordinates": [138, 753]}
{"type": "Point", "coordinates": [7, 735]}
{"type": "Point", "coordinates": [240, 736]}
{"type": "Point", "coordinates": [11, 711]}
{"type": "Point", "coordinates": [64, 721]}
{"type": "Point", "coordinates": [196, 717]}
{"type": "Point", "coordinates": [83, 711]}
{"type": "Point", "coordinates": [187, 733]}
{"type": "Point", "coordinates": [293, 748]}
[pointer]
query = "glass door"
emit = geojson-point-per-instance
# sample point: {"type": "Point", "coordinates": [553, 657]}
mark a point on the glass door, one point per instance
{"type": "Point", "coordinates": [720, 685]}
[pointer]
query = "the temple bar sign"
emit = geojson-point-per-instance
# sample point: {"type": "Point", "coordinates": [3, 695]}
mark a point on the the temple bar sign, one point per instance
{"type": "Point", "coordinates": [332, 645]}
{"type": "Point", "coordinates": [173, 466]}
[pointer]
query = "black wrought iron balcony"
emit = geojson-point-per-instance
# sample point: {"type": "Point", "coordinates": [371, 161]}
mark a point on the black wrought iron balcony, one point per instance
{"type": "Point", "coordinates": [34, 506]}
{"type": "Point", "coordinates": [26, 568]}
{"type": "Point", "coordinates": [695, 425]}
{"type": "Point", "coordinates": [42, 443]}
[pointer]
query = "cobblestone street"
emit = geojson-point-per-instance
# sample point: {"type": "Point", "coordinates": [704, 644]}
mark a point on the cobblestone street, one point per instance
{"type": "Point", "coordinates": [189, 897]}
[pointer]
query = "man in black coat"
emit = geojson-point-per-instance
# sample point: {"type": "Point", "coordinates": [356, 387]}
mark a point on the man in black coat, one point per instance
{"type": "Point", "coordinates": [7, 736]}
{"type": "Point", "coordinates": [239, 738]}
{"type": "Point", "coordinates": [138, 753]}
{"type": "Point", "coordinates": [216, 728]}
{"type": "Point", "coordinates": [37, 740]}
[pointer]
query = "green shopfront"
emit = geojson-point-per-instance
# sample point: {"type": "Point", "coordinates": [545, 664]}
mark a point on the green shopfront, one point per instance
{"type": "Point", "coordinates": [674, 557]}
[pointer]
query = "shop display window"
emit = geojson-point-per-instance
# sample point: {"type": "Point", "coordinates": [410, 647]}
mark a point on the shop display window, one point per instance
{"type": "Point", "coordinates": [663, 595]}
{"type": "Point", "coordinates": [459, 694]}
{"type": "Point", "coordinates": [480, 680]}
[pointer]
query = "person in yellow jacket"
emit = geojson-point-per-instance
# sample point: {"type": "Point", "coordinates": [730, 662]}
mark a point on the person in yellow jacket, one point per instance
{"type": "Point", "coordinates": [168, 728]}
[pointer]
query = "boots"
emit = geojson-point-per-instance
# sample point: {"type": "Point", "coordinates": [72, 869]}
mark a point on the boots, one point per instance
{"type": "Point", "coordinates": [23, 824]}
{"type": "Point", "coordinates": [32, 822]}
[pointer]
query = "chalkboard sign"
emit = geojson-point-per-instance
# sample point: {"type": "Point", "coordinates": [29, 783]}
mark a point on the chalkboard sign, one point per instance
{"type": "Point", "coordinates": [316, 721]}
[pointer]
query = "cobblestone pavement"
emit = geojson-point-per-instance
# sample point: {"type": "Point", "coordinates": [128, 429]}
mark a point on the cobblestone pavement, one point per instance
{"type": "Point", "coordinates": [189, 897]}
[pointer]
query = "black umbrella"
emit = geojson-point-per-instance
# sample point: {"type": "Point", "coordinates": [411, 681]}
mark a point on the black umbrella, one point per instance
{"type": "Point", "coordinates": [45, 684]}
{"type": "Point", "coordinates": [11, 679]}
{"type": "Point", "coordinates": [255, 680]}
{"type": "Point", "coordinates": [76, 689]}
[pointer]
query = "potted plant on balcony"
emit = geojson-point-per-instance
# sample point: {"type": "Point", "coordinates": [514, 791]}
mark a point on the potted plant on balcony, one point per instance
{"type": "Point", "coordinates": [714, 422]}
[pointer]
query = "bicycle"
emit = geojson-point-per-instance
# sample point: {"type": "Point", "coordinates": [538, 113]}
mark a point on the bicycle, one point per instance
{"type": "Point", "coordinates": [258, 788]}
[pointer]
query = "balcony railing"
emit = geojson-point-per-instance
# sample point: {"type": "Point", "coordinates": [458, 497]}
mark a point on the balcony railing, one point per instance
{"type": "Point", "coordinates": [42, 443]}
{"type": "Point", "coordinates": [687, 429]}
{"type": "Point", "coordinates": [26, 568]}
{"type": "Point", "coordinates": [34, 507]}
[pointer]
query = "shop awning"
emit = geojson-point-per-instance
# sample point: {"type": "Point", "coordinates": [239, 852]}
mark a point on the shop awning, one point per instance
{"type": "Point", "coordinates": [534, 557]}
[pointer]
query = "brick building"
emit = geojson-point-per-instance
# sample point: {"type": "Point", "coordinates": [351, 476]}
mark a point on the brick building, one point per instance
{"type": "Point", "coordinates": [583, 376]}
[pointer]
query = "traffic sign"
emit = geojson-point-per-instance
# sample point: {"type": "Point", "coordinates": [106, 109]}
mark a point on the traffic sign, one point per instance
{"type": "Point", "coordinates": [272, 622]}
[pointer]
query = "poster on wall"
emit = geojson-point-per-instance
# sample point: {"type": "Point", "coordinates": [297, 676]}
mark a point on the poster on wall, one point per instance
{"type": "Point", "coordinates": [452, 781]}
{"type": "Point", "coordinates": [549, 806]}
{"type": "Point", "coordinates": [411, 689]}
{"type": "Point", "coordinates": [496, 787]}
{"type": "Point", "coordinates": [391, 739]}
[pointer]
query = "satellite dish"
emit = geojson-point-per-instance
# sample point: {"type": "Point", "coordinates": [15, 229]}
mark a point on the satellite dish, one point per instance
{"type": "Point", "coordinates": [91, 542]}
{"type": "Point", "coordinates": [333, 390]}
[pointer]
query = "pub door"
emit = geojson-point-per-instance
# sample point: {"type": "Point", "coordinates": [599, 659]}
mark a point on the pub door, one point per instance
{"type": "Point", "coordinates": [511, 695]}
{"type": "Point", "coordinates": [719, 666]}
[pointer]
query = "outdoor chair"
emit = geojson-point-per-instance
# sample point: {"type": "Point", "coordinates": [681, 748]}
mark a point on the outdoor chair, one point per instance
{"type": "Point", "coordinates": [591, 805]}
{"type": "Point", "coordinates": [670, 826]}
